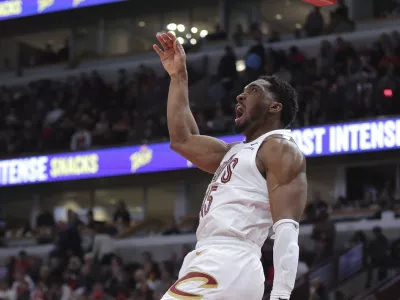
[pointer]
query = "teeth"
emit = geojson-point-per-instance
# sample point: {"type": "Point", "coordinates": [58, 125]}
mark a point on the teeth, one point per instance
{"type": "Point", "coordinates": [239, 108]}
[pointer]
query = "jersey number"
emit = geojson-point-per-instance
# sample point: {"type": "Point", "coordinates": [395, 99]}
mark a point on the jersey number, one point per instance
{"type": "Point", "coordinates": [225, 178]}
{"type": "Point", "coordinates": [208, 199]}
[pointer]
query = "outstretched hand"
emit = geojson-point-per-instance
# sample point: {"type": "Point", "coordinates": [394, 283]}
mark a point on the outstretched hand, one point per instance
{"type": "Point", "coordinates": [172, 55]}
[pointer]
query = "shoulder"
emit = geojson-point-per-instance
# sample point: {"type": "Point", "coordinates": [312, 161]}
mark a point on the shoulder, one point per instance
{"type": "Point", "coordinates": [232, 148]}
{"type": "Point", "coordinates": [282, 155]}
{"type": "Point", "coordinates": [232, 145]}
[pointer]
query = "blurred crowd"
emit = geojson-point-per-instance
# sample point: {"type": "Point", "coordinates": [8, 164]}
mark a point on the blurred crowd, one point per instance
{"type": "Point", "coordinates": [340, 84]}
{"type": "Point", "coordinates": [75, 269]}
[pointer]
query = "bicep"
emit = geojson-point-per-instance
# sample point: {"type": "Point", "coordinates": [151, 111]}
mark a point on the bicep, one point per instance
{"type": "Point", "coordinates": [286, 180]}
{"type": "Point", "coordinates": [203, 151]}
{"type": "Point", "coordinates": [288, 200]}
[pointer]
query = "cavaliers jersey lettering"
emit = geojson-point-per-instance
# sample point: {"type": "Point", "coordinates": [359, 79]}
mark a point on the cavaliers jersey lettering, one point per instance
{"type": "Point", "coordinates": [236, 203]}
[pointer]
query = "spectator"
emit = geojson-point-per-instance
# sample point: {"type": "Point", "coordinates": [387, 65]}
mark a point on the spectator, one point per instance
{"type": "Point", "coordinates": [64, 52]}
{"type": "Point", "coordinates": [49, 56]}
{"type": "Point", "coordinates": [284, 74]}
{"type": "Point", "coordinates": [113, 283]}
{"type": "Point", "coordinates": [274, 37]}
{"type": "Point", "coordinates": [317, 206]}
{"type": "Point", "coordinates": [378, 254]}
{"type": "Point", "coordinates": [172, 228]}
{"type": "Point", "coordinates": [318, 291]}
{"type": "Point", "coordinates": [5, 292]}
{"type": "Point", "coordinates": [69, 240]}
{"type": "Point", "coordinates": [102, 126]}
{"type": "Point", "coordinates": [122, 214]}
{"type": "Point", "coordinates": [395, 251]}
{"type": "Point", "coordinates": [342, 10]}
{"type": "Point", "coordinates": [81, 139]}
{"type": "Point", "coordinates": [238, 35]}
{"type": "Point", "coordinates": [147, 257]}
{"type": "Point", "coordinates": [324, 232]}
{"type": "Point", "coordinates": [22, 263]}
{"type": "Point", "coordinates": [167, 280]}
{"type": "Point", "coordinates": [218, 34]}
{"type": "Point", "coordinates": [44, 276]}
{"type": "Point", "coordinates": [302, 267]}
{"type": "Point", "coordinates": [344, 52]}
{"type": "Point", "coordinates": [227, 72]}
{"type": "Point", "coordinates": [45, 219]}
{"type": "Point", "coordinates": [342, 203]}
{"type": "Point", "coordinates": [152, 273]}
{"type": "Point", "coordinates": [92, 224]}
{"type": "Point", "coordinates": [71, 275]}
{"type": "Point", "coordinates": [54, 115]}
{"type": "Point", "coordinates": [59, 290]}
{"type": "Point", "coordinates": [314, 25]}
{"type": "Point", "coordinates": [325, 58]}
{"type": "Point", "coordinates": [340, 21]}
{"type": "Point", "coordinates": [185, 251]}
{"type": "Point", "coordinates": [73, 219]}
{"type": "Point", "coordinates": [386, 198]}
{"type": "Point", "coordinates": [144, 287]}
{"type": "Point", "coordinates": [23, 284]}
{"type": "Point", "coordinates": [255, 59]}
{"type": "Point", "coordinates": [296, 59]}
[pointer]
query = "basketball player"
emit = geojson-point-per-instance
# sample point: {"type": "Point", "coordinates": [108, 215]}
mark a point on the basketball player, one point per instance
{"type": "Point", "coordinates": [257, 184]}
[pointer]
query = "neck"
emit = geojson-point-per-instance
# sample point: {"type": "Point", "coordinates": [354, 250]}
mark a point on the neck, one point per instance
{"type": "Point", "coordinates": [251, 136]}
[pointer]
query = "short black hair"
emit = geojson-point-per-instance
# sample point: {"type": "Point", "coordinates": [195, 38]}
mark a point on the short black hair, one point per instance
{"type": "Point", "coordinates": [285, 94]}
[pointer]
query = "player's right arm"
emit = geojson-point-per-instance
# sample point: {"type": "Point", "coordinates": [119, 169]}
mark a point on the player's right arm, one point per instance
{"type": "Point", "coordinates": [203, 151]}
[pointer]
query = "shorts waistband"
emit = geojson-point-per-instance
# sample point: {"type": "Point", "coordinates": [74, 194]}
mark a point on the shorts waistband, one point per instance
{"type": "Point", "coordinates": [229, 241]}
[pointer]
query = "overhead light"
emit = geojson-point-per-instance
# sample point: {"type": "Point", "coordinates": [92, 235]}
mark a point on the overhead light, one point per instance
{"type": "Point", "coordinates": [188, 35]}
{"type": "Point", "coordinates": [181, 40]}
{"type": "Point", "coordinates": [194, 30]}
{"type": "Point", "coordinates": [142, 23]}
{"type": "Point", "coordinates": [193, 41]}
{"type": "Point", "coordinates": [278, 17]}
{"type": "Point", "coordinates": [171, 26]}
{"type": "Point", "coordinates": [298, 26]}
{"type": "Point", "coordinates": [181, 27]}
{"type": "Point", "coordinates": [240, 65]}
{"type": "Point", "coordinates": [203, 33]}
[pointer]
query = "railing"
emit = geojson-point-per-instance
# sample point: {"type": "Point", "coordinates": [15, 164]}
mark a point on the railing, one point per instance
{"type": "Point", "coordinates": [332, 273]}
{"type": "Point", "coordinates": [387, 289]}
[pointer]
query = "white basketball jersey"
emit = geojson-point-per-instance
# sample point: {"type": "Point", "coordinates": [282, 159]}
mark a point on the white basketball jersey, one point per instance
{"type": "Point", "coordinates": [236, 203]}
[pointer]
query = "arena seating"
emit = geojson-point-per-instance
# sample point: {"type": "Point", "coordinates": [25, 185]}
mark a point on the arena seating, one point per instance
{"type": "Point", "coordinates": [122, 101]}
{"type": "Point", "coordinates": [44, 115]}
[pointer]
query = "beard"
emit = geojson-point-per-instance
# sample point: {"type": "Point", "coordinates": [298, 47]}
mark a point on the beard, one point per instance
{"type": "Point", "coordinates": [242, 127]}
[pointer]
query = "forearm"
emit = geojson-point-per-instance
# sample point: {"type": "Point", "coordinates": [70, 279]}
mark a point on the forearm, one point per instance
{"type": "Point", "coordinates": [286, 257]}
{"type": "Point", "coordinates": [181, 123]}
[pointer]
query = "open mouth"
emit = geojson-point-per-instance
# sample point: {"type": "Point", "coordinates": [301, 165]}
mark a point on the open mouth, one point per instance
{"type": "Point", "coordinates": [239, 113]}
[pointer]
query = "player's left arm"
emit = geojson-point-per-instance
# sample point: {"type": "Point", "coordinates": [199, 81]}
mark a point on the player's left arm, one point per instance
{"type": "Point", "coordinates": [285, 167]}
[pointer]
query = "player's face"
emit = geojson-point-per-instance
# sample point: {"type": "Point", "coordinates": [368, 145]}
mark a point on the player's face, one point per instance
{"type": "Point", "coordinates": [254, 106]}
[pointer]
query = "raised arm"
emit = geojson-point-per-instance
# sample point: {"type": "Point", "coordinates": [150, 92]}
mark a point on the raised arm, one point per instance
{"type": "Point", "coordinates": [203, 151]}
{"type": "Point", "coordinates": [287, 187]}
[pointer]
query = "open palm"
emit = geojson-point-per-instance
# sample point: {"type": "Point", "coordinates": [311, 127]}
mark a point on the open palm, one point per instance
{"type": "Point", "coordinates": [172, 55]}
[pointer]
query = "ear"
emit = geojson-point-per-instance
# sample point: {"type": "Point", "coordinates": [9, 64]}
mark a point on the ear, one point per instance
{"type": "Point", "coordinates": [275, 107]}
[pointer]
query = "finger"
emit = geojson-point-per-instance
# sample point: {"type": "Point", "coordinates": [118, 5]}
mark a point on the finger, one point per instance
{"type": "Point", "coordinates": [158, 50]}
{"type": "Point", "coordinates": [162, 42]}
{"type": "Point", "coordinates": [178, 48]}
{"type": "Point", "coordinates": [167, 40]}
{"type": "Point", "coordinates": [171, 36]}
